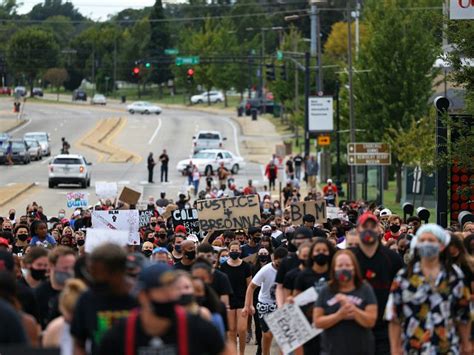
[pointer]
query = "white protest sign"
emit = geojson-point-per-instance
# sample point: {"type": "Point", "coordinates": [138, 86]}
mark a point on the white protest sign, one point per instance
{"type": "Point", "coordinates": [106, 189]}
{"type": "Point", "coordinates": [77, 199]}
{"type": "Point", "coordinates": [308, 296]}
{"type": "Point", "coordinates": [461, 10]}
{"type": "Point", "coordinates": [96, 237]}
{"type": "Point", "coordinates": [123, 220]}
{"type": "Point", "coordinates": [290, 328]}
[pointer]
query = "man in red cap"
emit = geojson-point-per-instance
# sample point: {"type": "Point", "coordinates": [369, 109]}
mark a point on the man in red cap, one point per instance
{"type": "Point", "coordinates": [378, 265]}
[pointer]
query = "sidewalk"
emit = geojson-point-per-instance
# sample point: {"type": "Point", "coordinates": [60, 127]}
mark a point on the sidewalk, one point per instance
{"type": "Point", "coordinates": [10, 192]}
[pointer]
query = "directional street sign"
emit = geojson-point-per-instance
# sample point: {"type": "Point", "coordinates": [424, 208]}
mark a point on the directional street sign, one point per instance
{"type": "Point", "coordinates": [279, 55]}
{"type": "Point", "coordinates": [187, 60]}
{"type": "Point", "coordinates": [171, 51]}
{"type": "Point", "coordinates": [368, 154]}
{"type": "Point", "coordinates": [324, 140]}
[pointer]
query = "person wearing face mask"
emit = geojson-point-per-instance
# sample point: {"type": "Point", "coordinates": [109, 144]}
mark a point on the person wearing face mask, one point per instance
{"type": "Point", "coordinates": [106, 301]}
{"type": "Point", "coordinates": [346, 309]}
{"type": "Point", "coordinates": [34, 266]}
{"type": "Point", "coordinates": [177, 251]}
{"type": "Point", "coordinates": [187, 299]}
{"type": "Point", "coordinates": [290, 277]}
{"type": "Point", "coordinates": [252, 246]}
{"type": "Point", "coordinates": [7, 231]}
{"type": "Point", "coordinates": [239, 274]}
{"type": "Point", "coordinates": [189, 256]}
{"type": "Point", "coordinates": [147, 249]}
{"type": "Point", "coordinates": [80, 241]}
{"type": "Point", "coordinates": [22, 233]}
{"type": "Point", "coordinates": [378, 265]}
{"type": "Point", "coordinates": [61, 268]}
{"type": "Point", "coordinates": [394, 223]}
{"type": "Point", "coordinates": [160, 317]}
{"type": "Point", "coordinates": [161, 238]}
{"type": "Point", "coordinates": [428, 307]}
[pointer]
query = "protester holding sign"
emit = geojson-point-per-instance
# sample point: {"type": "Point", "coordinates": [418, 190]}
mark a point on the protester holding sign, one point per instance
{"type": "Point", "coordinates": [346, 309]}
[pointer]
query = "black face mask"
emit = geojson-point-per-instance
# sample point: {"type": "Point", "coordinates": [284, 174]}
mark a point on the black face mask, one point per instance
{"type": "Point", "coordinates": [37, 274]}
{"type": "Point", "coordinates": [151, 240]}
{"type": "Point", "coordinates": [234, 255]}
{"type": "Point", "coordinates": [190, 255]}
{"type": "Point", "coordinates": [321, 259]}
{"type": "Point", "coordinates": [147, 252]}
{"type": "Point", "coordinates": [22, 237]}
{"type": "Point", "coordinates": [153, 224]}
{"type": "Point", "coordinates": [12, 216]}
{"type": "Point", "coordinates": [80, 242]}
{"type": "Point", "coordinates": [163, 309]}
{"type": "Point", "coordinates": [185, 300]}
{"type": "Point", "coordinates": [256, 240]}
{"type": "Point", "coordinates": [264, 258]}
{"type": "Point", "coordinates": [394, 228]}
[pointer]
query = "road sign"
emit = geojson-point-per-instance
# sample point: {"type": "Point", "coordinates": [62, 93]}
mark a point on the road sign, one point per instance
{"type": "Point", "coordinates": [324, 140]}
{"type": "Point", "coordinates": [279, 55]}
{"type": "Point", "coordinates": [321, 114]}
{"type": "Point", "coordinates": [171, 51]}
{"type": "Point", "coordinates": [368, 154]}
{"type": "Point", "coordinates": [187, 60]}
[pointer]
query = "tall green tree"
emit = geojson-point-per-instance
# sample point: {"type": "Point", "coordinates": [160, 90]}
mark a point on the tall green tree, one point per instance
{"type": "Point", "coordinates": [160, 39]}
{"type": "Point", "coordinates": [399, 55]}
{"type": "Point", "coordinates": [30, 52]}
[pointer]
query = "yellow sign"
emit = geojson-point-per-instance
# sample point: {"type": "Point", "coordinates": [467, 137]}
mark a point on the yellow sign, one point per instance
{"type": "Point", "coordinates": [324, 140]}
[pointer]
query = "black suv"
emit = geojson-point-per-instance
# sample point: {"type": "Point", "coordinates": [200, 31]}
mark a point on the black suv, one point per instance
{"type": "Point", "coordinates": [261, 105]}
{"type": "Point", "coordinates": [79, 95]}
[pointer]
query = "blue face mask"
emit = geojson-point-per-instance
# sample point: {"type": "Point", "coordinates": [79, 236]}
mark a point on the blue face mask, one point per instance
{"type": "Point", "coordinates": [223, 259]}
{"type": "Point", "coordinates": [428, 250]}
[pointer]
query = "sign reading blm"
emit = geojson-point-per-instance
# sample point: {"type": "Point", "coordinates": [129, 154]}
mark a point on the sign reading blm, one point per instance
{"type": "Point", "coordinates": [229, 213]}
{"type": "Point", "coordinates": [187, 217]}
{"type": "Point", "coordinates": [314, 208]}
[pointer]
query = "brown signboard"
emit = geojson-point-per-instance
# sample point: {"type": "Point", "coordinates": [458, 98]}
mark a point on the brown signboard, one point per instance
{"type": "Point", "coordinates": [314, 208]}
{"type": "Point", "coordinates": [368, 154]}
{"type": "Point", "coordinates": [229, 213]}
{"type": "Point", "coordinates": [129, 196]}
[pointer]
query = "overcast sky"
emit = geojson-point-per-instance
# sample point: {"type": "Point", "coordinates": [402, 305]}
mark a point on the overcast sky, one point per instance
{"type": "Point", "coordinates": [93, 8]}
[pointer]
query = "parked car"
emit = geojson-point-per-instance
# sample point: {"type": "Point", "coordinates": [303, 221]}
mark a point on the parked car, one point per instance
{"type": "Point", "coordinates": [99, 99]}
{"type": "Point", "coordinates": [260, 105]}
{"type": "Point", "coordinates": [20, 91]}
{"type": "Point", "coordinates": [212, 96]}
{"type": "Point", "coordinates": [69, 169]}
{"type": "Point", "coordinates": [20, 152]}
{"type": "Point", "coordinates": [5, 91]}
{"type": "Point", "coordinates": [208, 161]}
{"type": "Point", "coordinates": [143, 107]}
{"type": "Point", "coordinates": [208, 140]}
{"type": "Point", "coordinates": [4, 137]}
{"type": "Point", "coordinates": [43, 139]}
{"type": "Point", "coordinates": [34, 148]}
{"type": "Point", "coordinates": [79, 95]}
{"type": "Point", "coordinates": [38, 92]}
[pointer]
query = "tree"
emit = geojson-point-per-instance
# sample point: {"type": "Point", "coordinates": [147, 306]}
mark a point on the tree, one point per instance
{"type": "Point", "coordinates": [399, 53]}
{"type": "Point", "coordinates": [56, 77]}
{"type": "Point", "coordinates": [50, 8]}
{"type": "Point", "coordinates": [31, 51]}
{"type": "Point", "coordinates": [336, 44]}
{"type": "Point", "coordinates": [160, 39]}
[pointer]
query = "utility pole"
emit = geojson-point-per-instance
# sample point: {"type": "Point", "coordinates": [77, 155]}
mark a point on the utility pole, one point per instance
{"type": "Point", "coordinates": [93, 71]}
{"type": "Point", "coordinates": [114, 80]}
{"type": "Point", "coordinates": [306, 102]}
{"type": "Point", "coordinates": [353, 182]}
{"type": "Point", "coordinates": [357, 28]}
{"type": "Point", "coordinates": [338, 138]}
{"type": "Point", "coordinates": [250, 74]}
{"type": "Point", "coordinates": [319, 82]}
{"type": "Point", "coordinates": [262, 80]}
{"type": "Point", "coordinates": [295, 49]}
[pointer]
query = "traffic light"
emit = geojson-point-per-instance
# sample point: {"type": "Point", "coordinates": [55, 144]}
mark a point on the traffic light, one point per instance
{"type": "Point", "coordinates": [136, 72]}
{"type": "Point", "coordinates": [283, 75]}
{"type": "Point", "coordinates": [270, 72]}
{"type": "Point", "coordinates": [148, 65]}
{"type": "Point", "coordinates": [190, 76]}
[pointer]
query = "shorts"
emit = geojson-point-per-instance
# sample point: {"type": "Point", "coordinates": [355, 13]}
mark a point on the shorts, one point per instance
{"type": "Point", "coordinates": [262, 310]}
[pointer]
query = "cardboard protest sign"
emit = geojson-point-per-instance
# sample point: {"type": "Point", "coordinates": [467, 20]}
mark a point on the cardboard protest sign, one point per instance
{"type": "Point", "coordinates": [129, 196]}
{"type": "Point", "coordinates": [229, 213]}
{"type": "Point", "coordinates": [124, 220]}
{"type": "Point", "coordinates": [187, 217]}
{"type": "Point", "coordinates": [96, 237]}
{"type": "Point", "coordinates": [167, 211]}
{"type": "Point", "coordinates": [145, 216]}
{"type": "Point", "coordinates": [314, 208]}
{"type": "Point", "coordinates": [106, 189]}
{"type": "Point", "coordinates": [77, 199]}
{"type": "Point", "coordinates": [290, 328]}
{"type": "Point", "coordinates": [335, 212]}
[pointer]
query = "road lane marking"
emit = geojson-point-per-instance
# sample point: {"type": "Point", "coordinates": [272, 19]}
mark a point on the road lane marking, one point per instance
{"type": "Point", "coordinates": [234, 129]}
{"type": "Point", "coordinates": [156, 131]}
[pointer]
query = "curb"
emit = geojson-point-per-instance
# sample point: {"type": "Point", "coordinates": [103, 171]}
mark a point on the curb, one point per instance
{"type": "Point", "coordinates": [21, 123]}
{"type": "Point", "coordinates": [18, 193]}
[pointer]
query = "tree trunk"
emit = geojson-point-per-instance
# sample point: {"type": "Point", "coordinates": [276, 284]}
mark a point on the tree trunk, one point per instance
{"type": "Point", "coordinates": [57, 91]}
{"type": "Point", "coordinates": [398, 168]}
{"type": "Point", "coordinates": [208, 97]}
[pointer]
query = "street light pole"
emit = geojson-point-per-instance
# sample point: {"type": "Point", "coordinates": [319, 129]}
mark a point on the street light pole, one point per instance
{"type": "Point", "coordinates": [306, 102]}
{"type": "Point", "coordinates": [353, 183]}
{"type": "Point", "coordinates": [262, 81]}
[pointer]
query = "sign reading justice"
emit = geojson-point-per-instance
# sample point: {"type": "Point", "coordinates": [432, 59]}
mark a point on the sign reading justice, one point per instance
{"type": "Point", "coordinates": [229, 213]}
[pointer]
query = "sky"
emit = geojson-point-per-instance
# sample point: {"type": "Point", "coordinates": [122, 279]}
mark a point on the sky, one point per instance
{"type": "Point", "coordinates": [92, 8]}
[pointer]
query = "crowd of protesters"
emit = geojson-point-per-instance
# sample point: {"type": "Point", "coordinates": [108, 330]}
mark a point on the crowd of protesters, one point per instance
{"type": "Point", "coordinates": [385, 285]}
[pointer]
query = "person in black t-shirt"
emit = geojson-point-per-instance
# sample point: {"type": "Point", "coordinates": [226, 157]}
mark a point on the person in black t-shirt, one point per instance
{"type": "Point", "coordinates": [11, 327]}
{"type": "Point", "coordinates": [378, 266]}
{"type": "Point", "coordinates": [164, 158]}
{"type": "Point", "coordinates": [106, 302]}
{"type": "Point", "coordinates": [290, 277]}
{"type": "Point", "coordinates": [150, 165]}
{"type": "Point", "coordinates": [160, 326]}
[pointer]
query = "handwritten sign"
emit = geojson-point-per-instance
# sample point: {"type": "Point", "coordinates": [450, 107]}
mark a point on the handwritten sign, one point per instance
{"type": "Point", "coordinates": [76, 199]}
{"type": "Point", "coordinates": [314, 208]}
{"type": "Point", "coordinates": [187, 217]}
{"type": "Point", "coordinates": [145, 217]}
{"type": "Point", "coordinates": [106, 189]}
{"type": "Point", "coordinates": [124, 220]}
{"type": "Point", "coordinates": [290, 328]}
{"type": "Point", "coordinates": [229, 213]}
{"type": "Point", "coordinates": [96, 237]}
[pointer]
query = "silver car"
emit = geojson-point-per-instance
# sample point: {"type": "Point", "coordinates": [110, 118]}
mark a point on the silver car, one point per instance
{"type": "Point", "coordinates": [43, 139]}
{"type": "Point", "coordinates": [34, 148]}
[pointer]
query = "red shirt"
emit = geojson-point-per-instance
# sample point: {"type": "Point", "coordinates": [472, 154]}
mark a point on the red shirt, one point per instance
{"type": "Point", "coordinates": [328, 188]}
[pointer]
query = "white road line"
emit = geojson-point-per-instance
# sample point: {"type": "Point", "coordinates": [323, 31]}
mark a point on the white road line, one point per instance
{"type": "Point", "coordinates": [234, 129]}
{"type": "Point", "coordinates": [156, 131]}
{"type": "Point", "coordinates": [46, 161]}
{"type": "Point", "coordinates": [20, 127]}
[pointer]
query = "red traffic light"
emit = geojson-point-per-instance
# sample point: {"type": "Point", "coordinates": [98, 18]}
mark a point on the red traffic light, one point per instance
{"type": "Point", "coordinates": [136, 70]}
{"type": "Point", "coordinates": [190, 72]}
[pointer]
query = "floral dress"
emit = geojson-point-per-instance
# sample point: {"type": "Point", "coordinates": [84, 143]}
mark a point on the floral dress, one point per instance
{"type": "Point", "coordinates": [428, 312]}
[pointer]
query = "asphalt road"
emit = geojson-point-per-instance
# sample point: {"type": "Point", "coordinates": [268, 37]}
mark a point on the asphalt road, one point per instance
{"type": "Point", "coordinates": [172, 130]}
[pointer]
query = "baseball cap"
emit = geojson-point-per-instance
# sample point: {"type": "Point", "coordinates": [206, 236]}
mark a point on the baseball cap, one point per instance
{"type": "Point", "coordinates": [366, 217]}
{"type": "Point", "coordinates": [6, 261]}
{"type": "Point", "coordinates": [266, 228]}
{"type": "Point", "coordinates": [4, 242]}
{"type": "Point", "coordinates": [155, 276]}
{"type": "Point", "coordinates": [385, 212]}
{"type": "Point", "coordinates": [193, 238]}
{"type": "Point", "coordinates": [180, 230]}
{"type": "Point", "coordinates": [329, 181]}
{"type": "Point", "coordinates": [160, 250]}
